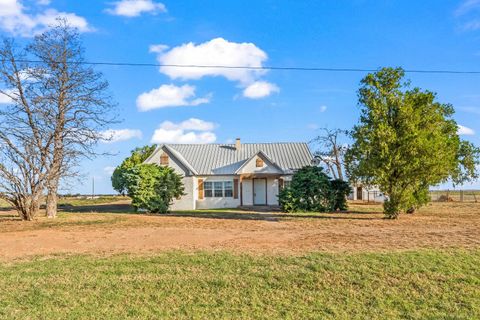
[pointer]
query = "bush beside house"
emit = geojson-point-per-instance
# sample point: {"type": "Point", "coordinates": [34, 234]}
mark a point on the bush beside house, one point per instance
{"type": "Point", "coordinates": [312, 190]}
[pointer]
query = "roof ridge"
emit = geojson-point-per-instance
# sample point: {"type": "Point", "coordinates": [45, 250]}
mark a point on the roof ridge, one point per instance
{"type": "Point", "coordinates": [231, 144]}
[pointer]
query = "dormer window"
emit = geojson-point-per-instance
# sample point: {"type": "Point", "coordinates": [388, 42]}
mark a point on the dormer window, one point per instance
{"type": "Point", "coordinates": [259, 163]}
{"type": "Point", "coordinates": [164, 159]}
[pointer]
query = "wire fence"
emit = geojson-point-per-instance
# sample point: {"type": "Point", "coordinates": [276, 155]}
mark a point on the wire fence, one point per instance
{"type": "Point", "coordinates": [455, 195]}
{"type": "Point", "coordinates": [435, 196]}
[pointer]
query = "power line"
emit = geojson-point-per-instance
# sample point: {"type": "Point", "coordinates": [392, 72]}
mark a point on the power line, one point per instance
{"type": "Point", "coordinates": [133, 64]}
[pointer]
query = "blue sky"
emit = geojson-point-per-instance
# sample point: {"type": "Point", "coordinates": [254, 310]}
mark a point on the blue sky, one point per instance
{"type": "Point", "coordinates": [191, 105]}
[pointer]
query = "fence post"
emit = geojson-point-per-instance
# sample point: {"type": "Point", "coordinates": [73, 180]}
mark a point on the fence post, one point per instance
{"type": "Point", "coordinates": [461, 195]}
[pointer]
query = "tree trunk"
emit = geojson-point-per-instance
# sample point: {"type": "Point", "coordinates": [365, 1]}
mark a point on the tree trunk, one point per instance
{"type": "Point", "coordinates": [51, 204]}
{"type": "Point", "coordinates": [28, 207]}
{"type": "Point", "coordinates": [52, 199]}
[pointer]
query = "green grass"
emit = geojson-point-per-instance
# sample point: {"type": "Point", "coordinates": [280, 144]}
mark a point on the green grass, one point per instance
{"type": "Point", "coordinates": [415, 285]}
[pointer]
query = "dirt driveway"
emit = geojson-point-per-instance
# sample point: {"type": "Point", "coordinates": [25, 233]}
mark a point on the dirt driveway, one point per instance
{"type": "Point", "coordinates": [364, 229]}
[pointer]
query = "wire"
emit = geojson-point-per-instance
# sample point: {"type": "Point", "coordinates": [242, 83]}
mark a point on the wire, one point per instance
{"type": "Point", "coordinates": [132, 64]}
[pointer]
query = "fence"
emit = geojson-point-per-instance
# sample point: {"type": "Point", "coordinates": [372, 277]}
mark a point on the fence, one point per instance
{"type": "Point", "coordinates": [435, 195]}
{"type": "Point", "coordinates": [455, 195]}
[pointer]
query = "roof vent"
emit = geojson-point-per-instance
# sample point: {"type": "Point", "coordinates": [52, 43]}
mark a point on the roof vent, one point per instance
{"type": "Point", "coordinates": [238, 144]}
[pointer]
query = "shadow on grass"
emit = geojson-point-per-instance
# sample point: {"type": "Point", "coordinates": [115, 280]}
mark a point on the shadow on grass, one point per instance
{"type": "Point", "coordinates": [98, 208]}
{"type": "Point", "coordinates": [270, 216]}
{"type": "Point", "coordinates": [224, 214]}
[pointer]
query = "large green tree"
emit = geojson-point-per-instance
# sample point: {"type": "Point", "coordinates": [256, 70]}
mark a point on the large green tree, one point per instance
{"type": "Point", "coordinates": [405, 142]}
{"type": "Point", "coordinates": [153, 187]}
{"type": "Point", "coordinates": [119, 176]}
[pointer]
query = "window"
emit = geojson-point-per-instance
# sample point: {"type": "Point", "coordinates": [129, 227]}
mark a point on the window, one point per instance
{"type": "Point", "coordinates": [259, 163]}
{"type": "Point", "coordinates": [164, 159]}
{"type": "Point", "coordinates": [228, 187]}
{"type": "Point", "coordinates": [208, 189]}
{"type": "Point", "coordinates": [218, 189]}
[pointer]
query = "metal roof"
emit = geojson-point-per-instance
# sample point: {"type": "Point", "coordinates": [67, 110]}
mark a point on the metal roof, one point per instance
{"type": "Point", "coordinates": [218, 159]}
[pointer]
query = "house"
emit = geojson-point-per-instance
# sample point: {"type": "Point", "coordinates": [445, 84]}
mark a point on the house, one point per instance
{"type": "Point", "coordinates": [232, 175]}
{"type": "Point", "coordinates": [361, 192]}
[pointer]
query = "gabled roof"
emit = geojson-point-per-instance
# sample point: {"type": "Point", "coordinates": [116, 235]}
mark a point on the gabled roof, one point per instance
{"type": "Point", "coordinates": [260, 154]}
{"type": "Point", "coordinates": [218, 159]}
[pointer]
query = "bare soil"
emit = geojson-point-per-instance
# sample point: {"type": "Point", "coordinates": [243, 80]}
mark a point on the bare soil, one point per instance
{"type": "Point", "coordinates": [108, 231]}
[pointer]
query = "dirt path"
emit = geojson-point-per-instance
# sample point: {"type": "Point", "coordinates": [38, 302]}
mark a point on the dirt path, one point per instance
{"type": "Point", "coordinates": [438, 226]}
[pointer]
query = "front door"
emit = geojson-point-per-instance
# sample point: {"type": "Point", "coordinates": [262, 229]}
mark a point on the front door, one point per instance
{"type": "Point", "coordinates": [359, 193]}
{"type": "Point", "coordinates": [260, 192]}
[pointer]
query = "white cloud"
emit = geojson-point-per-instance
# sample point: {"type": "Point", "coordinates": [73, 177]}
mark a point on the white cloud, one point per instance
{"type": "Point", "coordinates": [157, 48]}
{"type": "Point", "coordinates": [190, 124]}
{"type": "Point", "coordinates": [313, 126]}
{"type": "Point", "coordinates": [189, 131]}
{"type": "Point", "coordinates": [109, 170]}
{"type": "Point", "coordinates": [260, 89]}
{"type": "Point", "coordinates": [169, 95]}
{"type": "Point", "coordinates": [462, 130]}
{"type": "Point", "coordinates": [117, 135]}
{"type": "Point", "coordinates": [17, 19]}
{"type": "Point", "coordinates": [215, 52]}
{"type": "Point", "coordinates": [4, 99]}
{"type": "Point", "coordinates": [323, 108]}
{"type": "Point", "coordinates": [134, 8]}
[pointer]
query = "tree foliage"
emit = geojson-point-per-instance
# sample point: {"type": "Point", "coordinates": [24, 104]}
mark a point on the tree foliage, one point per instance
{"type": "Point", "coordinates": [119, 176]}
{"type": "Point", "coordinates": [405, 142]}
{"type": "Point", "coordinates": [311, 190]}
{"type": "Point", "coordinates": [153, 187]}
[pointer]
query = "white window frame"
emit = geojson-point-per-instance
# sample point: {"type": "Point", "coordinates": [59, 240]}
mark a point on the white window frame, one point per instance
{"type": "Point", "coordinates": [213, 189]}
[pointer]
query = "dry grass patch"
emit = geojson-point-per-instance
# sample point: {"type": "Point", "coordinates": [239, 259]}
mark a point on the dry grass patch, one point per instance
{"type": "Point", "coordinates": [437, 226]}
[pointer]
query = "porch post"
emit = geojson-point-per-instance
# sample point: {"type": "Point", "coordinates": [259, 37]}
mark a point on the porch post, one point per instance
{"type": "Point", "coordinates": [241, 190]}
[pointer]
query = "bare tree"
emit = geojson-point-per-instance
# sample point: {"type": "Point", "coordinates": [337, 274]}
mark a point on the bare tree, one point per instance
{"type": "Point", "coordinates": [65, 104]}
{"type": "Point", "coordinates": [76, 100]}
{"type": "Point", "coordinates": [331, 150]}
{"type": "Point", "coordinates": [23, 138]}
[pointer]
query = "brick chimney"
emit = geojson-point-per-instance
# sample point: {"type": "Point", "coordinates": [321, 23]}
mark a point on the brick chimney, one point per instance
{"type": "Point", "coordinates": [238, 144]}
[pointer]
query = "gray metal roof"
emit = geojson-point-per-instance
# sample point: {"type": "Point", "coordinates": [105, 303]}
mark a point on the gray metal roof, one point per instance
{"type": "Point", "coordinates": [217, 159]}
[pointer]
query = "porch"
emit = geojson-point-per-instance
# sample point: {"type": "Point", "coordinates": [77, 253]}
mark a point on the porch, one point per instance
{"type": "Point", "coordinates": [260, 190]}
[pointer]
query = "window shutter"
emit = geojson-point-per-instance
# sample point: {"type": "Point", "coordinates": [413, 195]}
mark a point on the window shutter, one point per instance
{"type": "Point", "coordinates": [235, 188]}
{"type": "Point", "coordinates": [200, 189]}
{"type": "Point", "coordinates": [164, 159]}
{"type": "Point", "coordinates": [280, 185]}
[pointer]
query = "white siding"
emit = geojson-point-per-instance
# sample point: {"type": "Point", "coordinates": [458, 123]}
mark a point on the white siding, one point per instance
{"type": "Point", "coordinates": [272, 192]}
{"type": "Point", "coordinates": [251, 167]}
{"type": "Point", "coordinates": [186, 202]}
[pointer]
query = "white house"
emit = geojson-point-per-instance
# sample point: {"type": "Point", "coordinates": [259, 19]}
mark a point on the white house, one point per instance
{"type": "Point", "coordinates": [232, 175]}
{"type": "Point", "coordinates": [366, 193]}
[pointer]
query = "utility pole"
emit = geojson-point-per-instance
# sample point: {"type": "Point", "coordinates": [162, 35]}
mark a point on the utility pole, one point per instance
{"type": "Point", "coordinates": [93, 187]}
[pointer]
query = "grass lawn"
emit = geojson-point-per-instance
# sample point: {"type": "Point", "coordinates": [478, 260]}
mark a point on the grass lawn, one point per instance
{"type": "Point", "coordinates": [425, 284]}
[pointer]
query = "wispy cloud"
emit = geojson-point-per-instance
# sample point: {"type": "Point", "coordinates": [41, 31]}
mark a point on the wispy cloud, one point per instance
{"type": "Point", "coordinates": [117, 135]}
{"type": "Point", "coordinates": [469, 15]}
{"type": "Point", "coordinates": [465, 131]}
{"type": "Point", "coordinates": [134, 8]}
